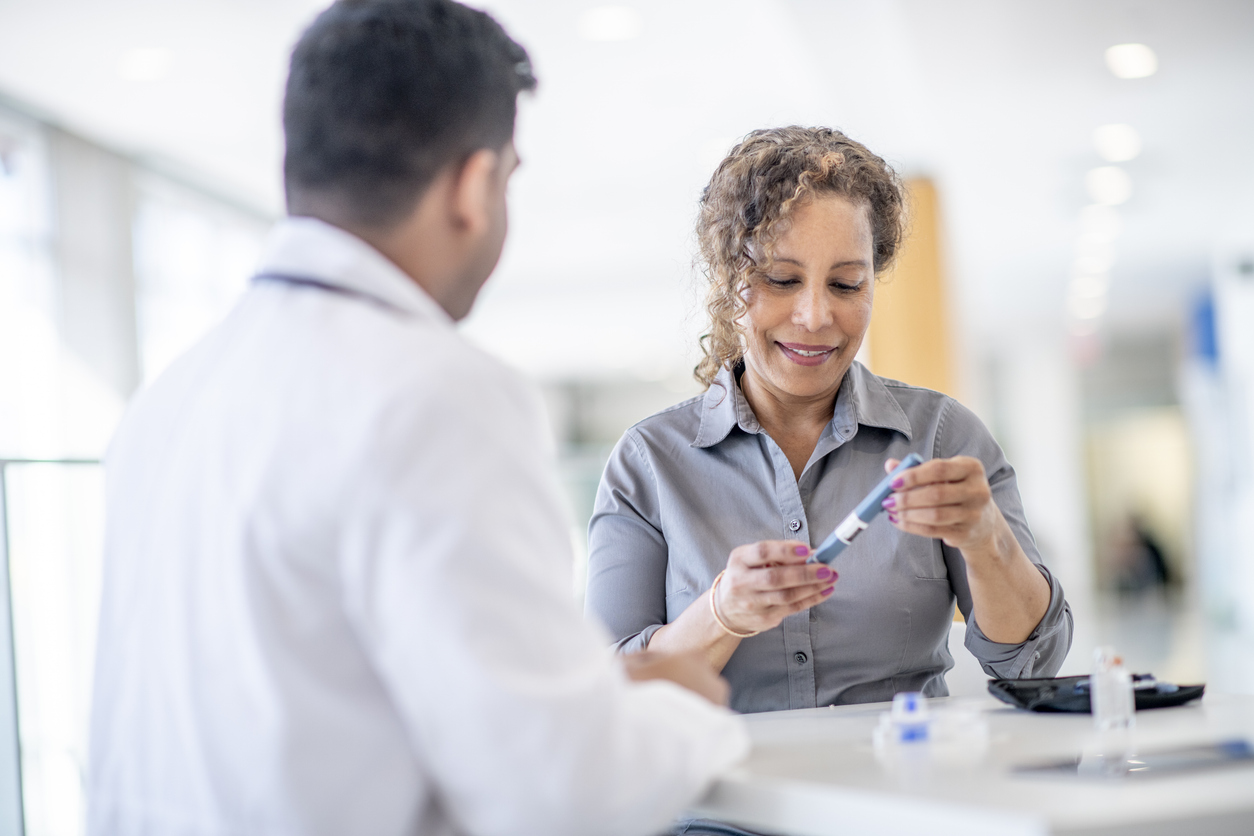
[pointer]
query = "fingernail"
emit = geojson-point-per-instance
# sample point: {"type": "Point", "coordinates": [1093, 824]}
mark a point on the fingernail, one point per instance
{"type": "Point", "coordinates": [802, 550]}
{"type": "Point", "coordinates": [823, 573]}
{"type": "Point", "coordinates": [892, 518]}
{"type": "Point", "coordinates": [899, 482]}
{"type": "Point", "coordinates": [828, 591]}
{"type": "Point", "coordinates": [889, 503]}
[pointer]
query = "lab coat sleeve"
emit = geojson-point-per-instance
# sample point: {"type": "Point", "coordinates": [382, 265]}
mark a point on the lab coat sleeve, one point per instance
{"type": "Point", "coordinates": [457, 567]}
{"type": "Point", "coordinates": [961, 433]}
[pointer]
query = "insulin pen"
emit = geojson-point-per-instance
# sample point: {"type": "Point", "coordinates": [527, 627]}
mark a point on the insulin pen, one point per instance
{"type": "Point", "coordinates": [861, 516]}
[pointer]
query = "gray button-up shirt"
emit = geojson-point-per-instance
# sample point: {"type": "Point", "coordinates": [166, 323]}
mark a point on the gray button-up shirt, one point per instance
{"type": "Point", "coordinates": [687, 485]}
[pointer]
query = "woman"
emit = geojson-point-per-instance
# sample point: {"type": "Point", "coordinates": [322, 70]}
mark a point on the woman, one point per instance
{"type": "Point", "coordinates": [707, 511]}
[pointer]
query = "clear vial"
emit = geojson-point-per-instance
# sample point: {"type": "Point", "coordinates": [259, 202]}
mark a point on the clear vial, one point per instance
{"type": "Point", "coordinates": [1110, 692]}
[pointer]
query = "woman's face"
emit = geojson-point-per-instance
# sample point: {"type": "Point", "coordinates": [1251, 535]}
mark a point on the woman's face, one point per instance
{"type": "Point", "coordinates": [806, 317]}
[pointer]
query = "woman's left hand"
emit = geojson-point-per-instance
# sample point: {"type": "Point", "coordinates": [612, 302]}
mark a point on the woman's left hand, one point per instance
{"type": "Point", "coordinates": [949, 499]}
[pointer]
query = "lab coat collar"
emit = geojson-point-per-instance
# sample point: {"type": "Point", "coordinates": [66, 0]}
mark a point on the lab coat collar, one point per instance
{"type": "Point", "coordinates": [308, 249]}
{"type": "Point", "coordinates": [862, 399]}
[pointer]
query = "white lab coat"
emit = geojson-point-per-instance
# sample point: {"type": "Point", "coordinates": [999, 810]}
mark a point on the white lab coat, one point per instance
{"type": "Point", "coordinates": [337, 592]}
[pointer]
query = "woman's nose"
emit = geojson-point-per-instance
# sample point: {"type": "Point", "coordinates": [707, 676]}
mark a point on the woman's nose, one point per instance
{"type": "Point", "coordinates": [812, 310]}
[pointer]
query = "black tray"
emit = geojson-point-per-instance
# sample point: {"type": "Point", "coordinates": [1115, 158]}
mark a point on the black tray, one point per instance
{"type": "Point", "coordinates": [1060, 695]}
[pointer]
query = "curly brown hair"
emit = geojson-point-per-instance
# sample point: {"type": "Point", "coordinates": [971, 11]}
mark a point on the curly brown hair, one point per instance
{"type": "Point", "coordinates": [746, 207]}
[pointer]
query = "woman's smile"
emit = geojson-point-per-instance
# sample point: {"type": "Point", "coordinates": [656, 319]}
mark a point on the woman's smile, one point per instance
{"type": "Point", "coordinates": [806, 355]}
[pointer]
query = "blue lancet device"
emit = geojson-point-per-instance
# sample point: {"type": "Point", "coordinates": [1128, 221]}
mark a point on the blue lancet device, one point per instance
{"type": "Point", "coordinates": [861, 516]}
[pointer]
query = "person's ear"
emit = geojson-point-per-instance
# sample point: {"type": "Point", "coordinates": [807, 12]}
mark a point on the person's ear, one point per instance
{"type": "Point", "coordinates": [473, 188]}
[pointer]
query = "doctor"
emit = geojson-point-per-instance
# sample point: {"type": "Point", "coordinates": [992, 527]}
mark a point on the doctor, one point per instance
{"type": "Point", "coordinates": [337, 577]}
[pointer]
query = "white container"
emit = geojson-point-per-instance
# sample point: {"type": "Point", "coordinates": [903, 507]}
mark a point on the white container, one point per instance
{"type": "Point", "coordinates": [1110, 692]}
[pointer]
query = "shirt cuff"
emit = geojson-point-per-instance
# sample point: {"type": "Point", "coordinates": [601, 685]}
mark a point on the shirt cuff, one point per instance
{"type": "Point", "coordinates": [1041, 654]}
{"type": "Point", "coordinates": [637, 641]}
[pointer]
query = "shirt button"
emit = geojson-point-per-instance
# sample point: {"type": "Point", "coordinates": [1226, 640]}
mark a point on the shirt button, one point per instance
{"type": "Point", "coordinates": [800, 657]}
{"type": "Point", "coordinates": [795, 525]}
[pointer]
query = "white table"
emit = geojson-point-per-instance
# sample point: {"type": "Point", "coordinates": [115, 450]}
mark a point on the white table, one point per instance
{"type": "Point", "coordinates": [815, 773]}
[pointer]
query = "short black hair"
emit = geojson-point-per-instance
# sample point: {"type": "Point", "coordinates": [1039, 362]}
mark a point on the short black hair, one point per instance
{"type": "Point", "coordinates": [383, 94]}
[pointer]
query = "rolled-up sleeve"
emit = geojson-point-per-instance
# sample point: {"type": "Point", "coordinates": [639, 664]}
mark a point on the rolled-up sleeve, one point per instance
{"type": "Point", "coordinates": [1041, 655]}
{"type": "Point", "coordinates": [961, 433]}
{"type": "Point", "coordinates": [627, 553]}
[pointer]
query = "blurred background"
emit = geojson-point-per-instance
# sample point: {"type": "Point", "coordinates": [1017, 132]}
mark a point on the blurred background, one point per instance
{"type": "Point", "coordinates": [1081, 271]}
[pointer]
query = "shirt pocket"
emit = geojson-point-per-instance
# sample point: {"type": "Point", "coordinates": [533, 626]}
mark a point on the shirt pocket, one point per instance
{"type": "Point", "coordinates": [925, 559]}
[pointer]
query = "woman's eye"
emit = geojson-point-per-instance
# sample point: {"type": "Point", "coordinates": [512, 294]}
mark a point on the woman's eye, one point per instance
{"type": "Point", "coordinates": [846, 288]}
{"type": "Point", "coordinates": [780, 281]}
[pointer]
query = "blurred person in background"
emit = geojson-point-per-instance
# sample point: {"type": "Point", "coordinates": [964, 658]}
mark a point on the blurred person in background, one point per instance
{"type": "Point", "coordinates": [706, 511]}
{"type": "Point", "coordinates": [337, 573]}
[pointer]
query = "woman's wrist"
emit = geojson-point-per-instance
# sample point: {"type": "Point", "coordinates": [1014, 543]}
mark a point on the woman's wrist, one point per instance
{"type": "Point", "coordinates": [993, 551]}
{"type": "Point", "coordinates": [719, 618]}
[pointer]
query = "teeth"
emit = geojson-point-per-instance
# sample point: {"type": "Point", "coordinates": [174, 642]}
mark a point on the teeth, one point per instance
{"type": "Point", "coordinates": [808, 353]}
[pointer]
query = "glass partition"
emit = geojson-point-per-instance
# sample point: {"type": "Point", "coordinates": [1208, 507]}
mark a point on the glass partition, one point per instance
{"type": "Point", "coordinates": [53, 537]}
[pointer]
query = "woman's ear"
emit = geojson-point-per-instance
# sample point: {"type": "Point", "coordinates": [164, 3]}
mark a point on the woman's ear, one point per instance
{"type": "Point", "coordinates": [473, 190]}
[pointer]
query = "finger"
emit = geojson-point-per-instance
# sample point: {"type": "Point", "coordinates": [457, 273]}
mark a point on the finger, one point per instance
{"type": "Point", "coordinates": [770, 552]}
{"type": "Point", "coordinates": [936, 532]}
{"type": "Point", "coordinates": [891, 465]}
{"type": "Point", "coordinates": [939, 470]}
{"type": "Point", "coordinates": [927, 496]}
{"type": "Point", "coordinates": [788, 597]}
{"type": "Point", "coordinates": [771, 578]}
{"type": "Point", "coordinates": [947, 515]}
{"type": "Point", "coordinates": [804, 604]}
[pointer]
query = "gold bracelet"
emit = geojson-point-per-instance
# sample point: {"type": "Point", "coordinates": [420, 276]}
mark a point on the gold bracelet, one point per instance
{"type": "Point", "coordinates": [714, 610]}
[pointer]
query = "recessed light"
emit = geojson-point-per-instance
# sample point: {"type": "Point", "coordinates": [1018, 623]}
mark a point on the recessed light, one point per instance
{"type": "Point", "coordinates": [1087, 307]}
{"type": "Point", "coordinates": [1117, 143]}
{"type": "Point", "coordinates": [145, 64]}
{"type": "Point", "coordinates": [1100, 222]}
{"type": "Point", "coordinates": [610, 23]}
{"type": "Point", "coordinates": [1131, 60]}
{"type": "Point", "coordinates": [1097, 260]}
{"type": "Point", "coordinates": [1089, 286]}
{"type": "Point", "coordinates": [1108, 185]}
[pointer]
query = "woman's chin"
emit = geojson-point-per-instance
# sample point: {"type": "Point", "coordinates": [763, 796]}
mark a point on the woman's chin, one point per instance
{"type": "Point", "coordinates": [808, 383]}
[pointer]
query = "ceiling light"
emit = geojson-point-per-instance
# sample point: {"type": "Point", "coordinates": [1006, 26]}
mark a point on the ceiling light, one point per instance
{"type": "Point", "coordinates": [1131, 61]}
{"type": "Point", "coordinates": [610, 23]}
{"type": "Point", "coordinates": [1117, 143]}
{"type": "Point", "coordinates": [1108, 185]}
{"type": "Point", "coordinates": [1096, 261]}
{"type": "Point", "coordinates": [1087, 307]}
{"type": "Point", "coordinates": [1089, 287]}
{"type": "Point", "coordinates": [145, 64]}
{"type": "Point", "coordinates": [1100, 222]}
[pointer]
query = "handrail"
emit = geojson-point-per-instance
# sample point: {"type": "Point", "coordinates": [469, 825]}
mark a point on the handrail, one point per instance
{"type": "Point", "coordinates": [15, 825]}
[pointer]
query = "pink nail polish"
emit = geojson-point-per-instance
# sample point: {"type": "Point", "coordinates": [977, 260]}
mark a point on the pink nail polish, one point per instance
{"type": "Point", "coordinates": [823, 573]}
{"type": "Point", "coordinates": [889, 503]}
{"type": "Point", "coordinates": [802, 550]}
{"type": "Point", "coordinates": [899, 482]}
{"type": "Point", "coordinates": [892, 518]}
{"type": "Point", "coordinates": [828, 591]}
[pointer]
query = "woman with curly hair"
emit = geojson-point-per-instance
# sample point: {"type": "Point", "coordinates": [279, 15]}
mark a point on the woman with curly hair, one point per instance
{"type": "Point", "coordinates": [707, 511]}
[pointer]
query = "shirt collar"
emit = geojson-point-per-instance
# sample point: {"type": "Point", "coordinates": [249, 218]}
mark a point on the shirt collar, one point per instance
{"type": "Point", "coordinates": [307, 248]}
{"type": "Point", "coordinates": [862, 399]}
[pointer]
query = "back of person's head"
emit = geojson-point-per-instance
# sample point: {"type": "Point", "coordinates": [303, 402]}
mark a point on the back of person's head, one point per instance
{"type": "Point", "coordinates": [383, 94]}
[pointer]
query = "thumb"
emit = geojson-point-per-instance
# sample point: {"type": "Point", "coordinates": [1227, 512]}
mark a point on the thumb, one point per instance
{"type": "Point", "coordinates": [890, 464]}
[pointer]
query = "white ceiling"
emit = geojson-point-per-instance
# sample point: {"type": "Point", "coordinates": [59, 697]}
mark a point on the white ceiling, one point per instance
{"type": "Point", "coordinates": [996, 100]}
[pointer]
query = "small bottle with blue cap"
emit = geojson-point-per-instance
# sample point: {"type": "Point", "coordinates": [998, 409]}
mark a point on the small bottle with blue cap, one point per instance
{"type": "Point", "coordinates": [909, 717]}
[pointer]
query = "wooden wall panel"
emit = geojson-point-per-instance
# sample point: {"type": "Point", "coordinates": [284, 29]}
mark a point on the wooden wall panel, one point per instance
{"type": "Point", "coordinates": [910, 336]}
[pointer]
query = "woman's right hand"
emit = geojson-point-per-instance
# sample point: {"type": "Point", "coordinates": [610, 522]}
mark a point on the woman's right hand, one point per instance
{"type": "Point", "coordinates": [767, 581]}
